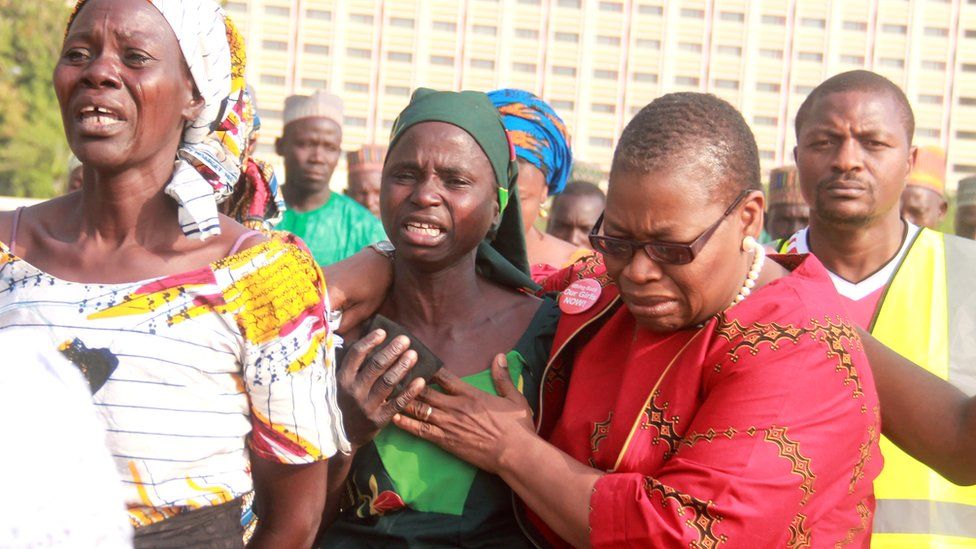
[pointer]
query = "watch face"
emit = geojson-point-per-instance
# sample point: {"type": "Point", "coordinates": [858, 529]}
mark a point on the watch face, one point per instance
{"type": "Point", "coordinates": [385, 246]}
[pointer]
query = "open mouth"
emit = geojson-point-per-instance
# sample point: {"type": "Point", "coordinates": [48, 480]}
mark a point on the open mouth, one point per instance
{"type": "Point", "coordinates": [422, 229]}
{"type": "Point", "coordinates": [95, 118]}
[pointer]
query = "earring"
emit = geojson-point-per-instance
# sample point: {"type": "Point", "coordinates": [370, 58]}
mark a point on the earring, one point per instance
{"type": "Point", "coordinates": [749, 244]}
{"type": "Point", "coordinates": [543, 210]}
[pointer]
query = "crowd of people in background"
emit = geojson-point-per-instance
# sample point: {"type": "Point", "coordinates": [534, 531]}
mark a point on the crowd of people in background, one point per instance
{"type": "Point", "coordinates": [675, 356]}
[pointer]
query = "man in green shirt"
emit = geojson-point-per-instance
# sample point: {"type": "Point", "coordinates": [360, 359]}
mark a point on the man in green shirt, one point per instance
{"type": "Point", "coordinates": [332, 225]}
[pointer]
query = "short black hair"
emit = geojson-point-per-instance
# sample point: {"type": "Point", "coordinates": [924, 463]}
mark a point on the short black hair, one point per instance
{"type": "Point", "coordinates": [691, 126]}
{"type": "Point", "coordinates": [581, 188]}
{"type": "Point", "coordinates": [858, 81]}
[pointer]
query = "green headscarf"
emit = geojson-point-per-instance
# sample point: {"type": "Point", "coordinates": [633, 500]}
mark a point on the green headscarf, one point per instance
{"type": "Point", "coordinates": [501, 257]}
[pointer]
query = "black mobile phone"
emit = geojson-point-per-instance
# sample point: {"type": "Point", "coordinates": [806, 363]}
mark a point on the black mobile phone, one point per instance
{"type": "Point", "coordinates": [427, 362]}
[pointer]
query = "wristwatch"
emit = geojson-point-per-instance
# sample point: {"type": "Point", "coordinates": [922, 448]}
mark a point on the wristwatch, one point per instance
{"type": "Point", "coordinates": [384, 248]}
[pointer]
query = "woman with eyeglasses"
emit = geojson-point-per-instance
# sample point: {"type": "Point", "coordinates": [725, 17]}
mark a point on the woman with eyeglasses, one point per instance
{"type": "Point", "coordinates": [699, 393]}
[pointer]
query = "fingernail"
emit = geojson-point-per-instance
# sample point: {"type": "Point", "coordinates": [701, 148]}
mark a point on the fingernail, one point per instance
{"type": "Point", "coordinates": [379, 335]}
{"type": "Point", "coordinates": [396, 417]}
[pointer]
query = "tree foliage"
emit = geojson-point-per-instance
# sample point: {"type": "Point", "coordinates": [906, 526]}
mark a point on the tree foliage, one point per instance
{"type": "Point", "coordinates": [33, 152]}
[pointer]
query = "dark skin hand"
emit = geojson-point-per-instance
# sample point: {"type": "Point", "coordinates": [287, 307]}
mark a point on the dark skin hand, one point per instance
{"type": "Point", "coordinates": [122, 57]}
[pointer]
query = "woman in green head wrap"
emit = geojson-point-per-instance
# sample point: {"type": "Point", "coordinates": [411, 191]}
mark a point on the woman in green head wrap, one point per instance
{"type": "Point", "coordinates": [449, 206]}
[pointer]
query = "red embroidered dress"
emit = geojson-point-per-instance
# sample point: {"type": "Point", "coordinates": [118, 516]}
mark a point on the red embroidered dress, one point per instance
{"type": "Point", "coordinates": [759, 429]}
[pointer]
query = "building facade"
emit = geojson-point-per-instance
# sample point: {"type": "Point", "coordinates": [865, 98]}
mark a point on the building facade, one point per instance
{"type": "Point", "coordinates": [599, 61]}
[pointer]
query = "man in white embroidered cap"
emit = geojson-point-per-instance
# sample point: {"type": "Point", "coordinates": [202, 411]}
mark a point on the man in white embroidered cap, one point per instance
{"type": "Point", "coordinates": [332, 225]}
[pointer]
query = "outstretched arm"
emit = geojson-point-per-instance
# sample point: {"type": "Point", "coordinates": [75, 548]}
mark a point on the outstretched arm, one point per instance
{"type": "Point", "coordinates": [358, 285]}
{"type": "Point", "coordinates": [925, 416]}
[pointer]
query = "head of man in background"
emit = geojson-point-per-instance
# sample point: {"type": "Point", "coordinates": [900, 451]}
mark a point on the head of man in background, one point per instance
{"type": "Point", "coordinates": [311, 143]}
{"type": "Point", "coordinates": [966, 208]}
{"type": "Point", "coordinates": [923, 200]}
{"type": "Point", "coordinates": [575, 211]}
{"type": "Point", "coordinates": [786, 211]}
{"type": "Point", "coordinates": [365, 172]}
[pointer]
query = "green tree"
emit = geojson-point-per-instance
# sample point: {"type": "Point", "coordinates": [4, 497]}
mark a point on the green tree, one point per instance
{"type": "Point", "coordinates": [33, 152]}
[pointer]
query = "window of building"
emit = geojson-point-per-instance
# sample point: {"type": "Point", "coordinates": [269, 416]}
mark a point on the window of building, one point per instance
{"type": "Point", "coordinates": [692, 13]}
{"type": "Point", "coordinates": [397, 90]}
{"type": "Point", "coordinates": [314, 83]}
{"type": "Point", "coordinates": [615, 7]}
{"type": "Point", "coordinates": [441, 60]}
{"type": "Point", "coordinates": [567, 37]}
{"type": "Point", "coordinates": [362, 18]}
{"type": "Point", "coordinates": [563, 71]}
{"type": "Point", "coordinates": [648, 43]}
{"type": "Point", "coordinates": [936, 31]}
{"type": "Point", "coordinates": [645, 77]}
{"type": "Point", "coordinates": [316, 49]}
{"type": "Point", "coordinates": [690, 47]}
{"type": "Point", "coordinates": [357, 87]}
{"type": "Point", "coordinates": [399, 56]}
{"type": "Point", "coordinates": [687, 81]}
{"type": "Point", "coordinates": [562, 104]}
{"type": "Point", "coordinates": [446, 26]}
{"type": "Point", "coordinates": [605, 74]}
{"type": "Point", "coordinates": [964, 168]}
{"type": "Point", "coordinates": [487, 30]}
{"type": "Point", "coordinates": [732, 16]}
{"type": "Point", "coordinates": [802, 89]}
{"type": "Point", "coordinates": [575, 4]}
{"type": "Point", "coordinates": [606, 108]}
{"type": "Point", "coordinates": [487, 64]}
{"type": "Point", "coordinates": [774, 20]}
{"type": "Point", "coordinates": [354, 121]}
{"type": "Point", "coordinates": [770, 53]}
{"type": "Point", "coordinates": [528, 2]}
{"type": "Point", "coordinates": [892, 62]}
{"type": "Point", "coordinates": [388, 123]}
{"type": "Point", "coordinates": [648, 9]}
{"type": "Point", "coordinates": [523, 67]}
{"type": "Point", "coordinates": [764, 120]}
{"type": "Point", "coordinates": [274, 45]}
{"type": "Point", "coordinates": [931, 99]}
{"type": "Point", "coordinates": [928, 132]}
{"type": "Point", "coordinates": [604, 142]}
{"type": "Point", "coordinates": [270, 114]}
{"type": "Point", "coordinates": [277, 11]}
{"type": "Point", "coordinates": [852, 59]}
{"type": "Point", "coordinates": [319, 15]}
{"type": "Point", "coordinates": [967, 101]}
{"type": "Point", "coordinates": [528, 34]}
{"type": "Point", "coordinates": [725, 49]}
{"type": "Point", "coordinates": [402, 22]}
{"type": "Point", "coordinates": [966, 134]}
{"type": "Point", "coordinates": [892, 28]}
{"type": "Point", "coordinates": [767, 87]}
{"type": "Point", "coordinates": [605, 40]}
{"type": "Point", "coordinates": [359, 53]}
{"type": "Point", "coordinates": [767, 155]}
{"type": "Point", "coordinates": [941, 66]}
{"type": "Point", "coordinates": [970, 34]}
{"type": "Point", "coordinates": [236, 6]}
{"type": "Point", "coordinates": [859, 26]}
{"type": "Point", "coordinates": [810, 56]}
{"type": "Point", "coordinates": [726, 84]}
{"type": "Point", "coordinates": [273, 79]}
{"type": "Point", "coordinates": [813, 22]}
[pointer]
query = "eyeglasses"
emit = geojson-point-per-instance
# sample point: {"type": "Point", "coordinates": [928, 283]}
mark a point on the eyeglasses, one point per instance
{"type": "Point", "coordinates": [670, 253]}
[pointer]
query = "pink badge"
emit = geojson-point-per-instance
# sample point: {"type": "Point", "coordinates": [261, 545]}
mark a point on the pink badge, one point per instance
{"type": "Point", "coordinates": [580, 296]}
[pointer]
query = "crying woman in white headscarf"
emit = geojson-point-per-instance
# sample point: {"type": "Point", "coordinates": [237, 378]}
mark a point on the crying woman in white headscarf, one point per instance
{"type": "Point", "coordinates": [204, 343]}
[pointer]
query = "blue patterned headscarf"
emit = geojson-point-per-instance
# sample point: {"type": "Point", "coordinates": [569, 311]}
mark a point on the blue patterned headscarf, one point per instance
{"type": "Point", "coordinates": [538, 134]}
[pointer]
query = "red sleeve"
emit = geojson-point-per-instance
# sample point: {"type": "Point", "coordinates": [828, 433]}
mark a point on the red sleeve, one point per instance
{"type": "Point", "coordinates": [774, 428]}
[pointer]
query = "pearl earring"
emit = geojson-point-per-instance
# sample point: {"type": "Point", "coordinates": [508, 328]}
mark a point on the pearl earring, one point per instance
{"type": "Point", "coordinates": [749, 244]}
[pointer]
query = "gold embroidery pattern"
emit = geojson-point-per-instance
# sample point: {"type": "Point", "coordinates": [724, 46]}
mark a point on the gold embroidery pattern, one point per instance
{"type": "Point", "coordinates": [655, 415]}
{"type": "Point", "coordinates": [703, 521]}
{"type": "Point", "coordinates": [864, 451]}
{"type": "Point", "coordinates": [799, 533]}
{"type": "Point", "coordinates": [865, 513]}
{"type": "Point", "coordinates": [832, 332]}
{"type": "Point", "coordinates": [600, 431]}
{"type": "Point", "coordinates": [800, 465]}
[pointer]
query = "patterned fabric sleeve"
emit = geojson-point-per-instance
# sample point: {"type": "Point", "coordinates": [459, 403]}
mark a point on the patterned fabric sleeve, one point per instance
{"type": "Point", "coordinates": [769, 435]}
{"type": "Point", "coordinates": [289, 359]}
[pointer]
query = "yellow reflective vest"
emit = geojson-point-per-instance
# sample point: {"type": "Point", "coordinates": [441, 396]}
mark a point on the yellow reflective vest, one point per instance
{"type": "Point", "coordinates": [928, 315]}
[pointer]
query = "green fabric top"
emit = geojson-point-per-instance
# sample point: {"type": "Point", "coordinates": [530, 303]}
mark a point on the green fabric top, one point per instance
{"type": "Point", "coordinates": [334, 231]}
{"type": "Point", "coordinates": [445, 501]}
